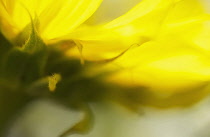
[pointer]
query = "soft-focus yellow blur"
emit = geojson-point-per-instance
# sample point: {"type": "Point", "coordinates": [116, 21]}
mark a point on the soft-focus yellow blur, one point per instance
{"type": "Point", "coordinates": [146, 21]}
{"type": "Point", "coordinates": [172, 54]}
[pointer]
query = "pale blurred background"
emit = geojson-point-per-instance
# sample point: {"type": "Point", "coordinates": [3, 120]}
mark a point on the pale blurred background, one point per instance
{"type": "Point", "coordinates": [45, 118]}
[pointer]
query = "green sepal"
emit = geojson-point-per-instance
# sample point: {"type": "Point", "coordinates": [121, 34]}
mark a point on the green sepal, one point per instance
{"type": "Point", "coordinates": [5, 46]}
{"type": "Point", "coordinates": [38, 54]}
{"type": "Point", "coordinates": [14, 65]}
{"type": "Point", "coordinates": [25, 65]}
{"type": "Point", "coordinates": [34, 44]}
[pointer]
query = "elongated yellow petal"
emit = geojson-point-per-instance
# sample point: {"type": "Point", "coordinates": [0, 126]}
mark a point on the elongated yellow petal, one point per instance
{"type": "Point", "coordinates": [16, 13]}
{"type": "Point", "coordinates": [6, 22]}
{"type": "Point", "coordinates": [190, 22]}
{"type": "Point", "coordinates": [143, 8]}
{"type": "Point", "coordinates": [194, 31]}
{"type": "Point", "coordinates": [164, 67]}
{"type": "Point", "coordinates": [67, 18]}
{"type": "Point", "coordinates": [149, 20]}
{"type": "Point", "coordinates": [113, 38]}
{"type": "Point", "coordinates": [108, 11]}
{"type": "Point", "coordinates": [56, 18]}
{"type": "Point", "coordinates": [140, 24]}
{"type": "Point", "coordinates": [185, 9]}
{"type": "Point", "coordinates": [100, 44]}
{"type": "Point", "coordinates": [172, 61]}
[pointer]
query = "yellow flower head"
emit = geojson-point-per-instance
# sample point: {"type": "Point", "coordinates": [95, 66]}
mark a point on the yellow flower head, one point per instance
{"type": "Point", "coordinates": [173, 38]}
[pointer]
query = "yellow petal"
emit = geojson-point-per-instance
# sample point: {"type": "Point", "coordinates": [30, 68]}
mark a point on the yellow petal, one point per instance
{"type": "Point", "coordinates": [188, 21]}
{"type": "Point", "coordinates": [143, 8]}
{"type": "Point", "coordinates": [164, 67]}
{"type": "Point", "coordinates": [173, 61]}
{"type": "Point", "coordinates": [146, 21]}
{"type": "Point", "coordinates": [194, 31]}
{"type": "Point", "coordinates": [56, 18]}
{"type": "Point", "coordinates": [6, 23]}
{"type": "Point", "coordinates": [99, 44]}
{"type": "Point", "coordinates": [108, 11]}
{"type": "Point", "coordinates": [67, 18]}
{"type": "Point", "coordinates": [185, 9]}
{"type": "Point", "coordinates": [16, 13]}
{"type": "Point", "coordinates": [115, 37]}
